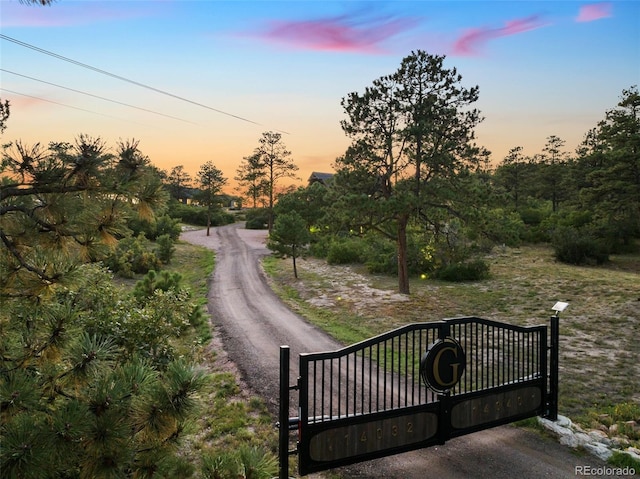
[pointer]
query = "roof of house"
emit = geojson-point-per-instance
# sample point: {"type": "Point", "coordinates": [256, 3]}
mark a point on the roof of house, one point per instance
{"type": "Point", "coordinates": [321, 177]}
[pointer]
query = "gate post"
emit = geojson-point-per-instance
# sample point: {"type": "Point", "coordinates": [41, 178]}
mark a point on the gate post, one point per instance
{"type": "Point", "coordinates": [283, 432]}
{"type": "Point", "coordinates": [554, 368]}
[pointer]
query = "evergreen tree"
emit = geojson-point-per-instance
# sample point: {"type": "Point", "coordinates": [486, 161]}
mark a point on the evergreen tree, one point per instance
{"type": "Point", "coordinates": [252, 179]}
{"type": "Point", "coordinates": [211, 183]}
{"type": "Point", "coordinates": [289, 237]}
{"type": "Point", "coordinates": [274, 160]}
{"type": "Point", "coordinates": [89, 384]}
{"type": "Point", "coordinates": [613, 191]}
{"type": "Point", "coordinates": [412, 137]}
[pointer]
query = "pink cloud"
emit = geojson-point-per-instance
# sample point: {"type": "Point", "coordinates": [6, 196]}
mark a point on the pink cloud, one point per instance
{"type": "Point", "coordinates": [474, 39]}
{"type": "Point", "coordinates": [344, 33]}
{"type": "Point", "coordinates": [594, 11]}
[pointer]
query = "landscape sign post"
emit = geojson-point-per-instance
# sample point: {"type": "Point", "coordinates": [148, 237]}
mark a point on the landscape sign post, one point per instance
{"type": "Point", "coordinates": [418, 386]}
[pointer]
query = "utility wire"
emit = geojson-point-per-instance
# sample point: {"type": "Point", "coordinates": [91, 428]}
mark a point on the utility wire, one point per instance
{"type": "Point", "coordinates": [95, 96]}
{"type": "Point", "coordinates": [61, 104]}
{"type": "Point", "coordinates": [113, 75]}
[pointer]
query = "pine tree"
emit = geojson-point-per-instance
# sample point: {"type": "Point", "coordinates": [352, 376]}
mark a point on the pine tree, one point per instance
{"type": "Point", "coordinates": [89, 386]}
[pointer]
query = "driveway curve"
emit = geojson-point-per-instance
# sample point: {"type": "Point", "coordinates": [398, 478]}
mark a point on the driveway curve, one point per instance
{"type": "Point", "coordinates": [254, 323]}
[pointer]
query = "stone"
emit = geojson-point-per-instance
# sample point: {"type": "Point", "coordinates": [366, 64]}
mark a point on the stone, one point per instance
{"type": "Point", "coordinates": [599, 450]}
{"type": "Point", "coordinates": [600, 436]}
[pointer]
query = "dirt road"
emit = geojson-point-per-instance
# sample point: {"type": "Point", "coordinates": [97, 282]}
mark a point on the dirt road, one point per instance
{"type": "Point", "coordinates": [254, 324]}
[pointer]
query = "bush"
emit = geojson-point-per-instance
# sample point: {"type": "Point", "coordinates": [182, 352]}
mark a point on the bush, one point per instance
{"type": "Point", "coordinates": [257, 219]}
{"type": "Point", "coordinates": [346, 251]}
{"type": "Point", "coordinates": [153, 281]}
{"type": "Point", "coordinates": [466, 271]}
{"type": "Point", "coordinates": [165, 248]}
{"type": "Point", "coordinates": [165, 225]}
{"type": "Point", "coordinates": [578, 247]}
{"type": "Point", "coordinates": [245, 463]}
{"type": "Point", "coordinates": [319, 246]}
{"type": "Point", "coordinates": [153, 229]}
{"type": "Point", "coordinates": [131, 257]}
{"type": "Point", "coordinates": [197, 215]}
{"type": "Point", "coordinates": [382, 257]}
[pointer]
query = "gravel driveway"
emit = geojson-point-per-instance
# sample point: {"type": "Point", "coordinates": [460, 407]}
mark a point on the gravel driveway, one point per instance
{"type": "Point", "coordinates": [254, 323]}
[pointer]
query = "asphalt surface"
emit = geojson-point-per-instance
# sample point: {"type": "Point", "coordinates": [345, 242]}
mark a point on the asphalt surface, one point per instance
{"type": "Point", "coordinates": [254, 323]}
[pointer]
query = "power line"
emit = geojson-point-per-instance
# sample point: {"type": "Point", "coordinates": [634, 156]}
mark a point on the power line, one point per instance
{"type": "Point", "coordinates": [113, 75]}
{"type": "Point", "coordinates": [96, 96]}
{"type": "Point", "coordinates": [61, 104]}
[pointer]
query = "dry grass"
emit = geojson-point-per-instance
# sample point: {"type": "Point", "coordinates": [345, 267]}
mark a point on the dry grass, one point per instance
{"type": "Point", "coordinates": [600, 351]}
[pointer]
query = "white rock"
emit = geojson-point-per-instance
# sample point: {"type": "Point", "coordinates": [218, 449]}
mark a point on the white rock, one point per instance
{"type": "Point", "coordinates": [633, 452]}
{"type": "Point", "coordinates": [600, 436]}
{"type": "Point", "coordinates": [564, 421]}
{"type": "Point", "coordinates": [599, 450]}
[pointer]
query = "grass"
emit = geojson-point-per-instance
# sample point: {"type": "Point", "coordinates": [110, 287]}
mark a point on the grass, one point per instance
{"type": "Point", "coordinates": [599, 351]}
{"type": "Point", "coordinates": [229, 420]}
{"type": "Point", "coordinates": [600, 360]}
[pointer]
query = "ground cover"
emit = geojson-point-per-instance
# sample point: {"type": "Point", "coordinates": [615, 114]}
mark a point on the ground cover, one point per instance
{"type": "Point", "coordinates": [231, 421]}
{"type": "Point", "coordinates": [599, 353]}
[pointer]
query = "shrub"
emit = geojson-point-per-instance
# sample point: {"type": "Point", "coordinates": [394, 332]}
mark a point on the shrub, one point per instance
{"type": "Point", "coordinates": [257, 219]}
{"type": "Point", "coordinates": [578, 247]}
{"type": "Point", "coordinates": [245, 463]}
{"type": "Point", "coordinates": [131, 257]}
{"type": "Point", "coordinates": [466, 271]}
{"type": "Point", "coordinates": [319, 246]}
{"type": "Point", "coordinates": [165, 248]}
{"type": "Point", "coordinates": [153, 281]}
{"type": "Point", "coordinates": [152, 229]}
{"type": "Point", "coordinates": [346, 251]}
{"type": "Point", "coordinates": [165, 225]}
{"type": "Point", "coordinates": [382, 257]}
{"type": "Point", "coordinates": [222, 218]}
{"type": "Point", "coordinates": [193, 215]}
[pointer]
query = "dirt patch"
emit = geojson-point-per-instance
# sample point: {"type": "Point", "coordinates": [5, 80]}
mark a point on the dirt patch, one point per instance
{"type": "Point", "coordinates": [334, 286]}
{"type": "Point", "coordinates": [599, 353]}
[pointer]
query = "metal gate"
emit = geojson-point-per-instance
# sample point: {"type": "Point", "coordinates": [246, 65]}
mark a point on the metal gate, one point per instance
{"type": "Point", "coordinates": [414, 387]}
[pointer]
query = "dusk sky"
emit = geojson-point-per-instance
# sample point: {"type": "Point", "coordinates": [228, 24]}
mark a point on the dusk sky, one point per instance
{"type": "Point", "coordinates": [195, 81]}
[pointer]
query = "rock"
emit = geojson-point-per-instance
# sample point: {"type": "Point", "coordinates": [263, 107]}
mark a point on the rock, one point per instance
{"type": "Point", "coordinates": [600, 436]}
{"type": "Point", "coordinates": [633, 425]}
{"type": "Point", "coordinates": [599, 450]}
{"type": "Point", "coordinates": [620, 442]}
{"type": "Point", "coordinates": [613, 429]}
{"type": "Point", "coordinates": [564, 421]}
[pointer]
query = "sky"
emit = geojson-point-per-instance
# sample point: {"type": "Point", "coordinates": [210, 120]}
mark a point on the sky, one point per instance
{"type": "Point", "coordinates": [201, 80]}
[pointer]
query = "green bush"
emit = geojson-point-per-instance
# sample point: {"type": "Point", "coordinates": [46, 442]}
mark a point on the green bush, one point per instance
{"type": "Point", "coordinates": [245, 463]}
{"type": "Point", "coordinates": [319, 246]}
{"type": "Point", "coordinates": [382, 257]}
{"type": "Point", "coordinates": [153, 281]}
{"type": "Point", "coordinates": [193, 215]}
{"type": "Point", "coordinates": [197, 215]}
{"type": "Point", "coordinates": [578, 247]}
{"type": "Point", "coordinates": [346, 251]}
{"type": "Point", "coordinates": [165, 225]}
{"type": "Point", "coordinates": [465, 271]}
{"type": "Point", "coordinates": [257, 219]}
{"type": "Point", "coordinates": [535, 219]}
{"type": "Point", "coordinates": [131, 257]}
{"type": "Point", "coordinates": [165, 247]}
{"type": "Point", "coordinates": [153, 229]}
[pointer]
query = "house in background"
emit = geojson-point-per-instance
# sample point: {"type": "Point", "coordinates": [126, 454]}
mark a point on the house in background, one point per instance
{"type": "Point", "coordinates": [322, 178]}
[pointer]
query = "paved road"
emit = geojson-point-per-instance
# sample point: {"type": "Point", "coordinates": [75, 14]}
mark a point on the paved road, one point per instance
{"type": "Point", "coordinates": [254, 324]}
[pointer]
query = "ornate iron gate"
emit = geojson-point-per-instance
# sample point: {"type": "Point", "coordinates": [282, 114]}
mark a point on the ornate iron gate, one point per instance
{"type": "Point", "coordinates": [416, 386]}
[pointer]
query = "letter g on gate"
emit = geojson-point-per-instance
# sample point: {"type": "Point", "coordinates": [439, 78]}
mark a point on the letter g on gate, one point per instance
{"type": "Point", "coordinates": [442, 365]}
